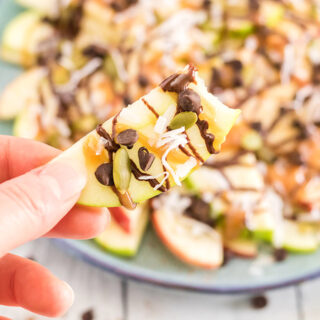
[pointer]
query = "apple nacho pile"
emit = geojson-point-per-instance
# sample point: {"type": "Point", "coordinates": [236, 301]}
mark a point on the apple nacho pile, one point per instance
{"type": "Point", "coordinates": [86, 59]}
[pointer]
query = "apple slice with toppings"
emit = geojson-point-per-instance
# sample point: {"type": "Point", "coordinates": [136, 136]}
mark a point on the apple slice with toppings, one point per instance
{"type": "Point", "coordinates": [118, 241]}
{"type": "Point", "coordinates": [242, 247]}
{"type": "Point", "coordinates": [20, 92]}
{"type": "Point", "coordinates": [22, 38]}
{"type": "Point", "coordinates": [188, 239]}
{"type": "Point", "coordinates": [152, 144]}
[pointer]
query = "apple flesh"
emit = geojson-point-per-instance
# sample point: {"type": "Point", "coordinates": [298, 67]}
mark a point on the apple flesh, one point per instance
{"type": "Point", "coordinates": [137, 116]}
{"type": "Point", "coordinates": [118, 241]}
{"type": "Point", "coordinates": [22, 36]}
{"type": "Point", "coordinates": [245, 248]}
{"type": "Point", "coordinates": [191, 241]}
{"type": "Point", "coordinates": [20, 92]}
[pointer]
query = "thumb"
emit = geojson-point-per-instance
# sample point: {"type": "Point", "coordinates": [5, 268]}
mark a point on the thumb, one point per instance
{"type": "Point", "coordinates": [32, 204]}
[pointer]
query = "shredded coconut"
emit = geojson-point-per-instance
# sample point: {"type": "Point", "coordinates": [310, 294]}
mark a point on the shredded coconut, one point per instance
{"type": "Point", "coordinates": [101, 143]}
{"type": "Point", "coordinates": [184, 169]}
{"type": "Point", "coordinates": [80, 74]}
{"type": "Point", "coordinates": [165, 174]}
{"type": "Point", "coordinates": [164, 120]}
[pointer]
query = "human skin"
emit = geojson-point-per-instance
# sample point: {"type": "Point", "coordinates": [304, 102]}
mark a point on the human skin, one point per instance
{"type": "Point", "coordinates": [38, 200]}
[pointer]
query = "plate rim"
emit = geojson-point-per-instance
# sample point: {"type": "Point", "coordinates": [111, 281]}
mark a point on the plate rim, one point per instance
{"type": "Point", "coordinates": [69, 247]}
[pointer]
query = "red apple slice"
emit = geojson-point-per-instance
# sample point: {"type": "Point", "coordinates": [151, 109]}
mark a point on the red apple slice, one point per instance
{"type": "Point", "coordinates": [115, 240]}
{"type": "Point", "coordinates": [191, 241]}
{"type": "Point", "coordinates": [126, 219]}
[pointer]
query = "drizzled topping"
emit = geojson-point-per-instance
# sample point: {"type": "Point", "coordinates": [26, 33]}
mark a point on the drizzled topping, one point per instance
{"type": "Point", "coordinates": [208, 137]}
{"type": "Point", "coordinates": [179, 81]}
{"type": "Point", "coordinates": [145, 158]}
{"type": "Point", "coordinates": [110, 145]}
{"type": "Point", "coordinates": [127, 138]}
{"type": "Point", "coordinates": [104, 174]}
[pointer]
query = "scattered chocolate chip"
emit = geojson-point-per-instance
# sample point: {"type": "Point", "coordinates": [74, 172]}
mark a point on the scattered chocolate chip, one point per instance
{"type": "Point", "coordinates": [283, 111]}
{"type": "Point", "coordinates": [254, 4]}
{"type": "Point", "coordinates": [145, 158]}
{"type": "Point", "coordinates": [227, 256]}
{"type": "Point", "coordinates": [295, 158]}
{"type": "Point", "coordinates": [178, 81]}
{"type": "Point", "coordinates": [208, 137]}
{"type": "Point", "coordinates": [88, 315]}
{"type": "Point", "coordinates": [237, 81]}
{"type": "Point", "coordinates": [127, 137]}
{"type": "Point", "coordinates": [316, 74]}
{"type": "Point", "coordinates": [104, 174]}
{"type": "Point", "coordinates": [259, 302]}
{"type": "Point", "coordinates": [199, 210]}
{"type": "Point", "coordinates": [256, 126]}
{"type": "Point", "coordinates": [280, 254]}
{"type": "Point", "coordinates": [143, 81]}
{"type": "Point", "coordinates": [189, 100]}
{"type": "Point", "coordinates": [120, 5]}
{"type": "Point", "coordinates": [234, 64]}
{"type": "Point", "coordinates": [95, 51]}
{"type": "Point", "coordinates": [206, 4]}
{"type": "Point", "coordinates": [110, 145]}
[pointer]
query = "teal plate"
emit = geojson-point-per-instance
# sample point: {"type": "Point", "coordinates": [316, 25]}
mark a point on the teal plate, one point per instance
{"type": "Point", "coordinates": [154, 264]}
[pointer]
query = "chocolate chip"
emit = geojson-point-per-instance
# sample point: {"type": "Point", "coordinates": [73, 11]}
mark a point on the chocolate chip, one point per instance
{"type": "Point", "coordinates": [256, 126]}
{"type": "Point", "coordinates": [199, 210]}
{"type": "Point", "coordinates": [259, 302]}
{"type": "Point", "coordinates": [143, 81]}
{"type": "Point", "coordinates": [95, 51]}
{"type": "Point", "coordinates": [254, 4]}
{"type": "Point", "coordinates": [189, 100]}
{"type": "Point", "coordinates": [126, 100]}
{"type": "Point", "coordinates": [295, 158]}
{"type": "Point", "coordinates": [145, 158]}
{"type": "Point", "coordinates": [104, 174]}
{"type": "Point", "coordinates": [127, 137]}
{"type": "Point", "coordinates": [110, 145]}
{"type": "Point", "coordinates": [32, 258]}
{"type": "Point", "coordinates": [88, 315]}
{"type": "Point", "coordinates": [280, 254]}
{"type": "Point", "coordinates": [235, 64]}
{"type": "Point", "coordinates": [178, 81]}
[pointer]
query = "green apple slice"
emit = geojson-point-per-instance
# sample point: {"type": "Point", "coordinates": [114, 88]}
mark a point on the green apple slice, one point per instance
{"type": "Point", "coordinates": [118, 241]}
{"type": "Point", "coordinates": [171, 163]}
{"type": "Point", "coordinates": [21, 92]}
{"type": "Point", "coordinates": [22, 36]}
{"type": "Point", "coordinates": [47, 7]}
{"type": "Point", "coordinates": [191, 241]}
{"type": "Point", "coordinates": [299, 237]}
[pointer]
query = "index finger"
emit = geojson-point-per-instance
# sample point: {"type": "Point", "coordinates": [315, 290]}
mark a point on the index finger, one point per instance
{"type": "Point", "coordinates": [19, 156]}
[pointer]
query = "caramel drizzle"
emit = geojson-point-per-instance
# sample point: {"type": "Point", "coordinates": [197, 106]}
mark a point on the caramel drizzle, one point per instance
{"type": "Point", "coordinates": [137, 174]}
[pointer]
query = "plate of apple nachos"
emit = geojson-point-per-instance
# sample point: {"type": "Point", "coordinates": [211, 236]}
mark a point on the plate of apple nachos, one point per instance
{"type": "Point", "coordinates": [202, 196]}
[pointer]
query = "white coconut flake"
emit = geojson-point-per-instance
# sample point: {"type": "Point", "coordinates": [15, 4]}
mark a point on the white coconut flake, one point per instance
{"type": "Point", "coordinates": [164, 120]}
{"type": "Point", "coordinates": [301, 95]}
{"type": "Point", "coordinates": [101, 143]}
{"type": "Point", "coordinates": [119, 63]}
{"type": "Point", "coordinates": [288, 63]}
{"type": "Point", "coordinates": [183, 169]}
{"type": "Point", "coordinates": [165, 174]}
{"type": "Point", "coordinates": [172, 202]}
{"type": "Point", "coordinates": [80, 74]}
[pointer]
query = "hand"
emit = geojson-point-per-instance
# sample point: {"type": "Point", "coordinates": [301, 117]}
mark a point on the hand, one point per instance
{"type": "Point", "coordinates": [36, 203]}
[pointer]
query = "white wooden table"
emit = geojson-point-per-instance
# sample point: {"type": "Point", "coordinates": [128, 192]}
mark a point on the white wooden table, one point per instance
{"type": "Point", "coordinates": [111, 298]}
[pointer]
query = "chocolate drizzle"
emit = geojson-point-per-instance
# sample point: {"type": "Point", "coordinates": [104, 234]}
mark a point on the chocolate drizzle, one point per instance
{"type": "Point", "coordinates": [179, 81]}
{"type": "Point", "coordinates": [150, 107]}
{"type": "Point", "coordinates": [137, 174]}
{"type": "Point", "coordinates": [203, 126]}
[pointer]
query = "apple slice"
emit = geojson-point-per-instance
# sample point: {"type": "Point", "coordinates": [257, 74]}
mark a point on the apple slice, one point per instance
{"type": "Point", "coordinates": [299, 237]}
{"type": "Point", "coordinates": [191, 241]}
{"type": "Point", "coordinates": [22, 36]}
{"type": "Point", "coordinates": [245, 248]}
{"type": "Point", "coordinates": [126, 219]}
{"type": "Point", "coordinates": [48, 7]}
{"type": "Point", "coordinates": [152, 144]}
{"type": "Point", "coordinates": [20, 92]}
{"type": "Point", "coordinates": [116, 240]}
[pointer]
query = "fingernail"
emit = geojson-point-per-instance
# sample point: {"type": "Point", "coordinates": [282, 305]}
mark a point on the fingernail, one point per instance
{"type": "Point", "coordinates": [64, 180]}
{"type": "Point", "coordinates": [68, 295]}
